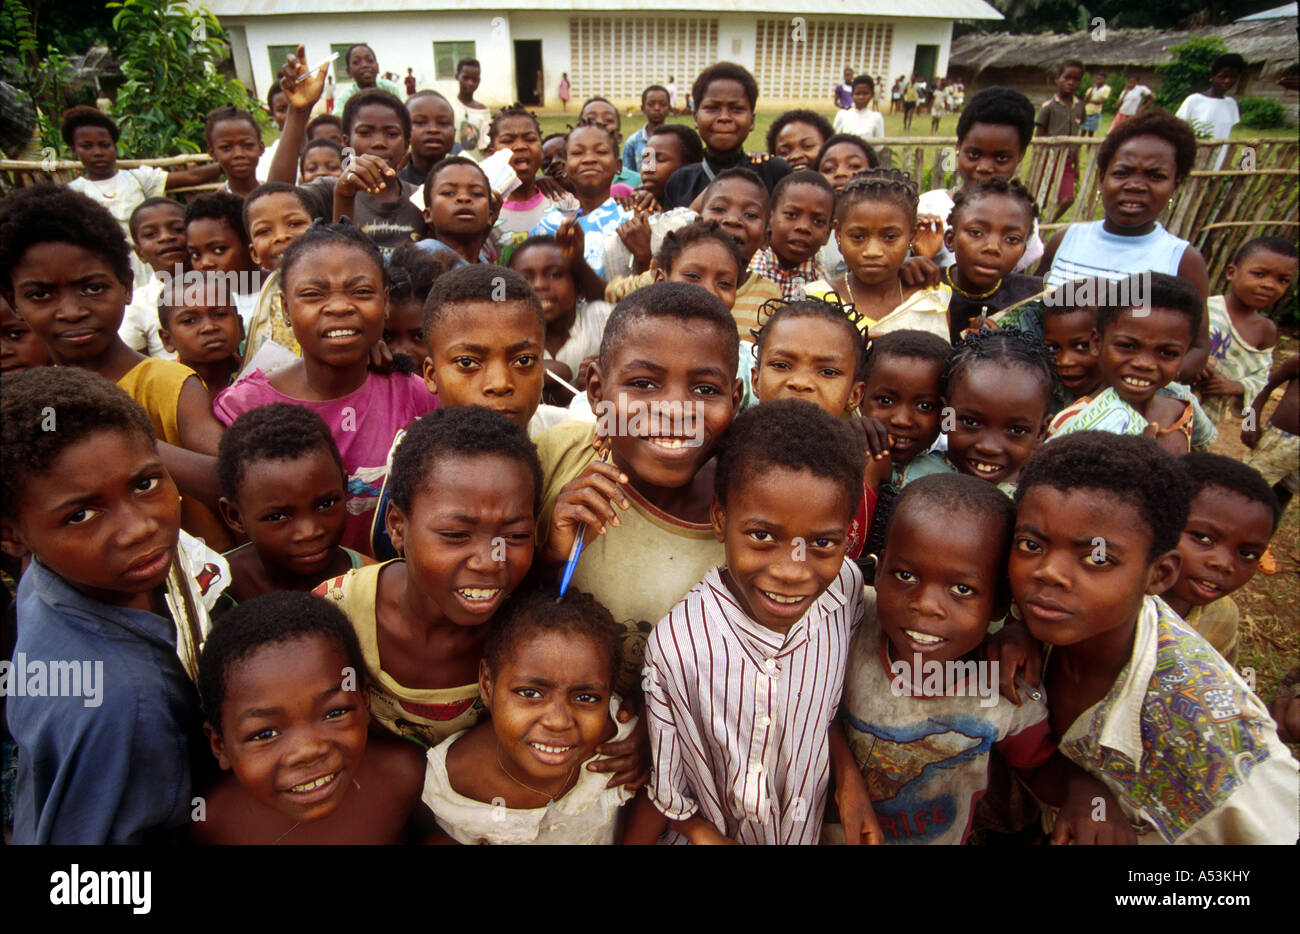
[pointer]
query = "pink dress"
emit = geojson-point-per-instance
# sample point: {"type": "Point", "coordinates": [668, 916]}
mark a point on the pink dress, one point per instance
{"type": "Point", "coordinates": [564, 90]}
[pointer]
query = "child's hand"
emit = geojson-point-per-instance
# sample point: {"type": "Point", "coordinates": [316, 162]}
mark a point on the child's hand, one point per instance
{"type": "Point", "coordinates": [928, 236]}
{"type": "Point", "coordinates": [635, 234]}
{"type": "Point", "coordinates": [856, 813]}
{"type": "Point", "coordinates": [643, 202]}
{"type": "Point", "coordinates": [571, 241]}
{"type": "Point", "coordinates": [701, 832]}
{"type": "Point", "coordinates": [629, 759]}
{"type": "Point", "coordinates": [873, 436]}
{"type": "Point", "coordinates": [303, 94]}
{"type": "Point", "coordinates": [919, 272]}
{"type": "Point", "coordinates": [1091, 816]}
{"type": "Point", "coordinates": [1014, 649]}
{"type": "Point", "coordinates": [1250, 436]}
{"type": "Point", "coordinates": [1286, 713]}
{"type": "Point", "coordinates": [368, 173]}
{"type": "Point", "coordinates": [589, 500]}
{"type": "Point", "coordinates": [1213, 384]}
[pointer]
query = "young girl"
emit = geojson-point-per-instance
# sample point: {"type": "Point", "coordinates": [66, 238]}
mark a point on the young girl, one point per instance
{"type": "Point", "coordinates": [1070, 336]}
{"type": "Point", "coordinates": [701, 254]}
{"type": "Point", "coordinates": [335, 295]}
{"type": "Point", "coordinates": [875, 226]}
{"type": "Point", "coordinates": [999, 386]}
{"type": "Point", "coordinates": [459, 212]}
{"type": "Point", "coordinates": [20, 348]}
{"type": "Point", "coordinates": [283, 487]}
{"type": "Point", "coordinates": [517, 130]}
{"type": "Point", "coordinates": [275, 215]}
{"type": "Point", "coordinates": [546, 678]}
{"type": "Point", "coordinates": [293, 736]}
{"type": "Point", "coordinates": [320, 158]}
{"type": "Point", "coordinates": [599, 110]}
{"type": "Point", "coordinates": [235, 143]}
{"type": "Point", "coordinates": [843, 156]}
{"type": "Point", "coordinates": [433, 134]}
{"type": "Point", "coordinates": [411, 274]}
{"type": "Point", "coordinates": [797, 136]}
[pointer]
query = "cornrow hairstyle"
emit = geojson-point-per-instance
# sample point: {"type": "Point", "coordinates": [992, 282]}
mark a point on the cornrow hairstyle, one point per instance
{"type": "Point", "coordinates": [514, 110]}
{"type": "Point", "coordinates": [745, 175]}
{"type": "Point", "coordinates": [725, 71]}
{"type": "Point", "coordinates": [803, 177]}
{"type": "Point", "coordinates": [679, 240]}
{"type": "Point", "coordinates": [1001, 107]}
{"type": "Point", "coordinates": [692, 147]}
{"type": "Point", "coordinates": [793, 434]}
{"type": "Point", "coordinates": [149, 204]}
{"type": "Point", "coordinates": [381, 97]}
{"type": "Point", "coordinates": [1225, 473]}
{"type": "Point", "coordinates": [83, 115]}
{"type": "Point", "coordinates": [412, 272]}
{"type": "Point", "coordinates": [321, 120]}
{"type": "Point", "coordinates": [531, 612]}
{"type": "Point", "coordinates": [914, 345]}
{"type": "Point", "coordinates": [588, 123]}
{"type": "Point", "coordinates": [275, 188]}
{"type": "Point", "coordinates": [678, 301]}
{"type": "Point", "coordinates": [775, 310]}
{"type": "Point", "coordinates": [650, 90]}
{"type": "Point", "coordinates": [813, 119]}
{"type": "Point", "coordinates": [322, 143]}
{"type": "Point", "coordinates": [969, 193]}
{"type": "Point", "coordinates": [593, 100]}
{"type": "Point", "coordinates": [54, 214]}
{"type": "Point", "coordinates": [1166, 292]}
{"type": "Point", "coordinates": [277, 618]}
{"type": "Point", "coordinates": [1132, 468]}
{"type": "Point", "coordinates": [228, 112]}
{"type": "Point", "coordinates": [461, 431]}
{"type": "Point", "coordinates": [1156, 123]}
{"type": "Point", "coordinates": [1007, 348]}
{"type": "Point", "coordinates": [477, 283]}
{"type": "Point", "coordinates": [447, 162]}
{"type": "Point", "coordinates": [219, 206]}
{"type": "Point", "coordinates": [1279, 245]}
{"type": "Point", "coordinates": [880, 185]}
{"type": "Point", "coordinates": [322, 235]}
{"type": "Point", "coordinates": [275, 432]}
{"type": "Point", "coordinates": [82, 404]}
{"type": "Point", "coordinates": [873, 160]}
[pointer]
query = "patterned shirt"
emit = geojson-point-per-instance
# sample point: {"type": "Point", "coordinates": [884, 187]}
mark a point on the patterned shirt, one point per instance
{"type": "Point", "coordinates": [739, 715]}
{"type": "Point", "coordinates": [594, 224]}
{"type": "Point", "coordinates": [793, 282]}
{"type": "Point", "coordinates": [1187, 749]}
{"type": "Point", "coordinates": [1234, 358]}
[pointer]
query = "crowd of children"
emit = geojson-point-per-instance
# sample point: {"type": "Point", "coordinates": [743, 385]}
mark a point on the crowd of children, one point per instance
{"type": "Point", "coordinates": [435, 481]}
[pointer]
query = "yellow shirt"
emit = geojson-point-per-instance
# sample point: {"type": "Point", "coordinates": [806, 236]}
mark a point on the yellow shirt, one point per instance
{"type": "Point", "coordinates": [924, 310]}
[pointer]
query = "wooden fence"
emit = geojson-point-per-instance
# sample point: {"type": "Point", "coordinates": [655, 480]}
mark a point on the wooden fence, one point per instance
{"type": "Point", "coordinates": [16, 173]}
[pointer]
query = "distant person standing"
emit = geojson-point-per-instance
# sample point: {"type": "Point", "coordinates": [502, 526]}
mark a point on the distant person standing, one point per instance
{"type": "Point", "coordinates": [672, 94]}
{"type": "Point", "coordinates": [363, 69]}
{"type": "Point", "coordinates": [410, 81]}
{"type": "Point", "coordinates": [896, 95]}
{"type": "Point", "coordinates": [472, 117]}
{"type": "Point", "coordinates": [1062, 116]}
{"type": "Point", "coordinates": [1132, 100]}
{"type": "Point", "coordinates": [1214, 113]}
{"type": "Point", "coordinates": [860, 119]}
{"type": "Point", "coordinates": [909, 103]}
{"type": "Point", "coordinates": [1093, 101]}
{"type": "Point", "coordinates": [843, 92]}
{"type": "Point", "coordinates": [940, 106]}
{"type": "Point", "coordinates": [565, 92]}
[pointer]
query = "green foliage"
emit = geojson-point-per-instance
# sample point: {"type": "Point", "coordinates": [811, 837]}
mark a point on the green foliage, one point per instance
{"type": "Point", "coordinates": [46, 75]}
{"type": "Point", "coordinates": [169, 55]}
{"type": "Point", "coordinates": [1114, 80]}
{"type": "Point", "coordinates": [1189, 72]}
{"type": "Point", "coordinates": [1261, 113]}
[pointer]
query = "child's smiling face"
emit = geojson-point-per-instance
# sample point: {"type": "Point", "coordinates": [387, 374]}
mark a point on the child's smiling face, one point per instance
{"type": "Point", "coordinates": [105, 516]}
{"type": "Point", "coordinates": [336, 304]}
{"type": "Point", "coordinates": [810, 358]}
{"type": "Point", "coordinates": [377, 130]}
{"type": "Point", "coordinates": [319, 162]}
{"type": "Point", "coordinates": [71, 298]}
{"type": "Point", "coordinates": [590, 160]}
{"type": "Point", "coordinates": [841, 162]}
{"type": "Point", "coordinates": [433, 127]}
{"type": "Point", "coordinates": [1221, 545]}
{"type": "Point", "coordinates": [903, 392]}
{"type": "Point", "coordinates": [798, 144]}
{"type": "Point", "coordinates": [292, 511]}
{"type": "Point", "coordinates": [999, 416]}
{"type": "Point", "coordinates": [989, 150]}
{"type": "Point", "coordinates": [549, 276]}
{"type": "Point", "coordinates": [800, 223]}
{"type": "Point", "coordinates": [724, 116]}
{"type": "Point", "coordinates": [987, 238]}
{"type": "Point", "coordinates": [874, 237]}
{"type": "Point", "coordinates": [741, 210]}
{"type": "Point", "coordinates": [1139, 181]}
{"type": "Point", "coordinates": [1261, 278]}
{"type": "Point", "coordinates": [602, 113]}
{"type": "Point", "coordinates": [362, 66]}
{"type": "Point", "coordinates": [660, 363]}
{"type": "Point", "coordinates": [460, 203]}
{"type": "Point", "coordinates": [200, 333]}
{"type": "Point", "coordinates": [468, 541]}
{"type": "Point", "coordinates": [274, 222]}
{"type": "Point", "coordinates": [663, 155]}
{"type": "Point", "coordinates": [549, 702]}
{"type": "Point", "coordinates": [94, 148]}
{"type": "Point", "coordinates": [236, 147]}
{"type": "Point", "coordinates": [520, 136]}
{"type": "Point", "coordinates": [937, 585]}
{"type": "Point", "coordinates": [490, 354]}
{"type": "Point", "coordinates": [1140, 353]}
{"type": "Point", "coordinates": [160, 236]}
{"type": "Point", "coordinates": [1072, 340]}
{"type": "Point", "coordinates": [783, 550]}
{"type": "Point", "coordinates": [289, 731]}
{"type": "Point", "coordinates": [710, 265]}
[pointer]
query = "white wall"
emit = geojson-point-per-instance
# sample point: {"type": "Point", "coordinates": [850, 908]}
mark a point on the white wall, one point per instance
{"type": "Point", "coordinates": [908, 34]}
{"type": "Point", "coordinates": [557, 58]}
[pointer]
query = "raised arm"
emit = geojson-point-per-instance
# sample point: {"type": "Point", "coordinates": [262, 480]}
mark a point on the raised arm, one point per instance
{"type": "Point", "coordinates": [303, 95]}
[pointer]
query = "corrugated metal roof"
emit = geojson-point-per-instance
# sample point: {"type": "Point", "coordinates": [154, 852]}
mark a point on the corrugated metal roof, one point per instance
{"type": "Point", "coordinates": [1278, 12]}
{"type": "Point", "coordinates": [898, 9]}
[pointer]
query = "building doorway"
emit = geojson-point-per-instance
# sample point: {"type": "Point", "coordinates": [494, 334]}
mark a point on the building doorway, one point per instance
{"type": "Point", "coordinates": [927, 56]}
{"type": "Point", "coordinates": [529, 88]}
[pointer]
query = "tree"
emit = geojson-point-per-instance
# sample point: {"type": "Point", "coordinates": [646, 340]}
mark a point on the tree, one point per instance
{"type": "Point", "coordinates": [1189, 71]}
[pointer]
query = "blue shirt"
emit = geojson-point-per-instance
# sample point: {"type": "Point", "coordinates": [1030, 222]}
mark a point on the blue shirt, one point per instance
{"type": "Point", "coordinates": [116, 772]}
{"type": "Point", "coordinates": [594, 226]}
{"type": "Point", "coordinates": [633, 149]}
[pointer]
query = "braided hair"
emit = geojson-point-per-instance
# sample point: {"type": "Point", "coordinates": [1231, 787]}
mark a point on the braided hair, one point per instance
{"type": "Point", "coordinates": [1008, 348]}
{"type": "Point", "coordinates": [514, 110]}
{"type": "Point", "coordinates": [775, 310]}
{"type": "Point", "coordinates": [1012, 188]}
{"type": "Point", "coordinates": [880, 185]}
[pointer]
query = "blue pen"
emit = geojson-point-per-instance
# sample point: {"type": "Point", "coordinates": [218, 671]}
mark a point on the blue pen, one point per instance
{"type": "Point", "coordinates": [571, 565]}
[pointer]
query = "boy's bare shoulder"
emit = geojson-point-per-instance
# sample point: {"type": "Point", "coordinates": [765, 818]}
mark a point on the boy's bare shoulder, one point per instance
{"type": "Point", "coordinates": [397, 764]}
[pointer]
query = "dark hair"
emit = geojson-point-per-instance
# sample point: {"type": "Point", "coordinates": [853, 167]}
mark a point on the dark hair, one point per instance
{"type": "Point", "coordinates": [879, 185]}
{"type": "Point", "coordinates": [1279, 245]}
{"type": "Point", "coordinates": [803, 177]}
{"type": "Point", "coordinates": [953, 494]}
{"type": "Point", "coordinates": [679, 301]}
{"type": "Point", "coordinates": [427, 93]}
{"type": "Point", "coordinates": [654, 87]}
{"type": "Point", "coordinates": [274, 618]}
{"type": "Point", "coordinates": [692, 147]}
{"type": "Point", "coordinates": [745, 175]}
{"type": "Point", "coordinates": [725, 71]}
{"type": "Point", "coordinates": [514, 110]}
{"type": "Point", "coordinates": [460, 431]}
{"type": "Point", "coordinates": [536, 241]}
{"type": "Point", "coordinates": [347, 58]}
{"type": "Point", "coordinates": [793, 434]}
{"type": "Point", "coordinates": [274, 188]}
{"type": "Point", "coordinates": [412, 272]}
{"type": "Point", "coordinates": [593, 100]}
{"type": "Point", "coordinates": [1207, 470]}
{"type": "Point", "coordinates": [219, 206]}
{"type": "Point", "coordinates": [272, 92]}
{"type": "Point", "coordinates": [778, 310]}
{"type": "Point", "coordinates": [813, 119]}
{"type": "Point", "coordinates": [322, 119]}
{"type": "Point", "coordinates": [531, 612]}
{"type": "Point", "coordinates": [77, 402]}
{"type": "Point", "coordinates": [873, 160]}
{"type": "Point", "coordinates": [228, 112]}
{"type": "Point", "coordinates": [864, 79]}
{"type": "Point", "coordinates": [478, 282]}
{"type": "Point", "coordinates": [321, 235]}
{"type": "Point", "coordinates": [1227, 60]}
{"type": "Point", "coordinates": [1007, 347]}
{"type": "Point", "coordinates": [468, 62]}
{"type": "Point", "coordinates": [369, 96]}
{"type": "Point", "coordinates": [447, 162]}
{"type": "Point", "coordinates": [83, 115]}
{"type": "Point", "coordinates": [997, 185]}
{"type": "Point", "coordinates": [1156, 123]}
{"type": "Point", "coordinates": [1068, 63]}
{"type": "Point", "coordinates": [321, 143]}
{"type": "Point", "coordinates": [278, 431]}
{"type": "Point", "coordinates": [1066, 298]}
{"type": "Point", "coordinates": [679, 240]}
{"type": "Point", "coordinates": [146, 205]}
{"type": "Point", "coordinates": [1001, 106]}
{"type": "Point", "coordinates": [1166, 292]}
{"type": "Point", "coordinates": [915, 345]}
{"type": "Point", "coordinates": [52, 214]}
{"type": "Point", "coordinates": [1131, 467]}
{"type": "Point", "coordinates": [587, 123]}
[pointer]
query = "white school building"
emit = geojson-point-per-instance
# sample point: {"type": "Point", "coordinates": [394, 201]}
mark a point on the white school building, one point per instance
{"type": "Point", "coordinates": [797, 49]}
